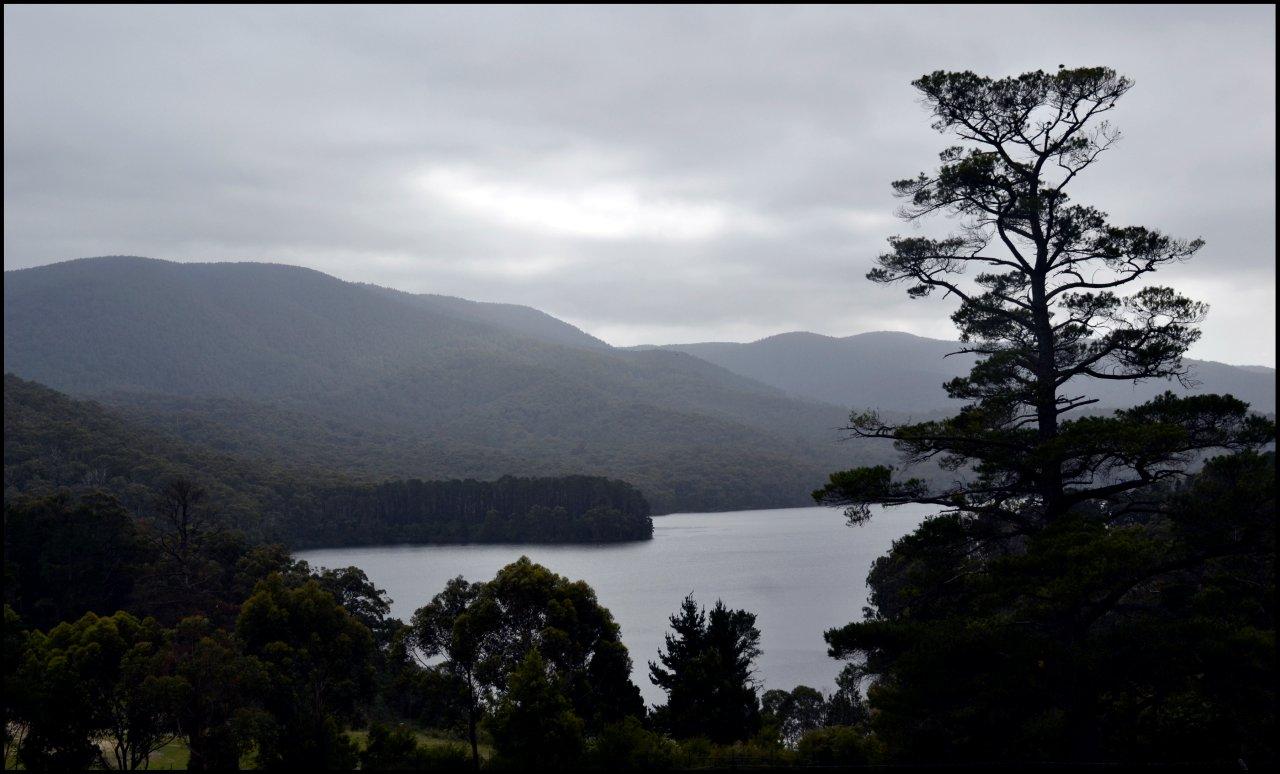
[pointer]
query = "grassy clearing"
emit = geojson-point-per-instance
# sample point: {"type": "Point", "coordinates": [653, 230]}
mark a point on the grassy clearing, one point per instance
{"type": "Point", "coordinates": [426, 739]}
{"type": "Point", "coordinates": [175, 755]}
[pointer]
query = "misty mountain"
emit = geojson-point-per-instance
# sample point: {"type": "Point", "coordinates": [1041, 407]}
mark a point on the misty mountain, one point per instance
{"type": "Point", "coordinates": [291, 365]}
{"type": "Point", "coordinates": [523, 320]}
{"type": "Point", "coordinates": [899, 372]}
{"type": "Point", "coordinates": [54, 444]}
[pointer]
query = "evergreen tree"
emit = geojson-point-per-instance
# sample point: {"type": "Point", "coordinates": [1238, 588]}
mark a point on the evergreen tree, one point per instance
{"type": "Point", "coordinates": [1043, 314]}
{"type": "Point", "coordinates": [707, 674]}
{"type": "Point", "coordinates": [1060, 605]}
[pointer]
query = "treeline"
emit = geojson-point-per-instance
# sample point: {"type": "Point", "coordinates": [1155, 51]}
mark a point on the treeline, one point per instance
{"type": "Point", "coordinates": [567, 509]}
{"type": "Point", "coordinates": [55, 444]}
{"type": "Point", "coordinates": [1150, 638]}
{"type": "Point", "coordinates": [130, 643]}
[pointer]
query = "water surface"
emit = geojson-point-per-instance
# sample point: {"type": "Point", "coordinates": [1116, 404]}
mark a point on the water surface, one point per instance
{"type": "Point", "coordinates": [800, 570]}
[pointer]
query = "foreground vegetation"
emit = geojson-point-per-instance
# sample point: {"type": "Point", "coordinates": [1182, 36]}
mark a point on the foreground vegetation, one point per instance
{"type": "Point", "coordinates": [234, 655]}
{"type": "Point", "coordinates": [1079, 597]}
{"type": "Point", "coordinates": [1158, 634]}
{"type": "Point", "coordinates": [1082, 595]}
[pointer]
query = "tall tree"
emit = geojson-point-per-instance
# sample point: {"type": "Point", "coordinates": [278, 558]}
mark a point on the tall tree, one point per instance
{"type": "Point", "coordinates": [319, 662]}
{"type": "Point", "coordinates": [795, 713]}
{"type": "Point", "coordinates": [706, 671]}
{"type": "Point", "coordinates": [534, 726]}
{"type": "Point", "coordinates": [452, 626]}
{"type": "Point", "coordinates": [486, 630]}
{"type": "Point", "coordinates": [1042, 310]}
{"type": "Point", "coordinates": [1060, 604]}
{"type": "Point", "coordinates": [576, 636]}
{"type": "Point", "coordinates": [215, 704]}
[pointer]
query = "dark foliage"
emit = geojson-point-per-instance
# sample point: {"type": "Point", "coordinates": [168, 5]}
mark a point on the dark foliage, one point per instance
{"type": "Point", "coordinates": [64, 557]}
{"type": "Point", "coordinates": [571, 509]}
{"type": "Point", "coordinates": [487, 631]}
{"type": "Point", "coordinates": [1148, 639]}
{"type": "Point", "coordinates": [534, 725]}
{"type": "Point", "coordinates": [1077, 599]}
{"type": "Point", "coordinates": [707, 673]}
{"type": "Point", "coordinates": [320, 665]}
{"type": "Point", "coordinates": [192, 496]}
{"type": "Point", "coordinates": [398, 749]}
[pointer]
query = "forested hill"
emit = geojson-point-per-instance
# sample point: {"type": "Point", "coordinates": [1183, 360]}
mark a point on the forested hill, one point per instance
{"type": "Point", "coordinates": [567, 509]}
{"type": "Point", "coordinates": [521, 320]}
{"type": "Point", "coordinates": [55, 444]}
{"type": "Point", "coordinates": [292, 366]}
{"type": "Point", "coordinates": [900, 372]}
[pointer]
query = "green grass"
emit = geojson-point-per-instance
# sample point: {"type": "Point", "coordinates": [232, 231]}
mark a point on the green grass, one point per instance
{"type": "Point", "coordinates": [175, 755]}
{"type": "Point", "coordinates": [172, 757]}
{"type": "Point", "coordinates": [426, 739]}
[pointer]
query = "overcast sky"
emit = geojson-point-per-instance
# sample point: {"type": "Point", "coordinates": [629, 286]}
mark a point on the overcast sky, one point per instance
{"type": "Point", "coordinates": [651, 175]}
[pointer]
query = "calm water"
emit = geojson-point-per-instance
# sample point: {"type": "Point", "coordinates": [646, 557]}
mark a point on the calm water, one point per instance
{"type": "Point", "coordinates": [800, 570]}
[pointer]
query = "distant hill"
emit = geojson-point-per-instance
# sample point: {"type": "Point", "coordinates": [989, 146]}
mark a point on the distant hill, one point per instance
{"type": "Point", "coordinates": [294, 367]}
{"type": "Point", "coordinates": [53, 443]}
{"type": "Point", "coordinates": [900, 372]}
{"type": "Point", "coordinates": [521, 320]}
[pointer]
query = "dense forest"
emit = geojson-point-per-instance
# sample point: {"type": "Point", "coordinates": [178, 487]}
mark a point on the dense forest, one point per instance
{"type": "Point", "coordinates": [55, 444]}
{"type": "Point", "coordinates": [284, 366]}
{"type": "Point", "coordinates": [290, 366]}
{"type": "Point", "coordinates": [219, 654]}
{"type": "Point", "coordinates": [567, 509]}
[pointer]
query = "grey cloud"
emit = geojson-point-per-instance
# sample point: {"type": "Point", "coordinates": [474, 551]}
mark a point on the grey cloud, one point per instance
{"type": "Point", "coordinates": [304, 135]}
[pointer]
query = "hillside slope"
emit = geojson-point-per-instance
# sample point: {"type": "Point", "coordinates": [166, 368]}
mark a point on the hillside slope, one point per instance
{"type": "Point", "coordinates": [55, 444]}
{"type": "Point", "coordinates": [283, 363]}
{"type": "Point", "coordinates": [904, 373]}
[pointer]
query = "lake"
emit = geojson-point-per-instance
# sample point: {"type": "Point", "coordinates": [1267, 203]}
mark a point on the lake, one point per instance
{"type": "Point", "coordinates": [800, 570]}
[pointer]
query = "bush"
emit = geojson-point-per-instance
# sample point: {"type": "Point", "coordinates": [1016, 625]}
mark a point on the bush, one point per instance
{"type": "Point", "coordinates": [837, 746]}
{"type": "Point", "coordinates": [398, 749]}
{"type": "Point", "coordinates": [628, 745]}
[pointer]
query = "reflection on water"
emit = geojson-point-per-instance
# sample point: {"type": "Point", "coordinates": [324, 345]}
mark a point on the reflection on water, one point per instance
{"type": "Point", "coordinates": [800, 570]}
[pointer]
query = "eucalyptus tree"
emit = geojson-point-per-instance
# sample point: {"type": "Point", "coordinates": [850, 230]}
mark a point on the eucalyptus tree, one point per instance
{"type": "Point", "coordinates": [485, 631]}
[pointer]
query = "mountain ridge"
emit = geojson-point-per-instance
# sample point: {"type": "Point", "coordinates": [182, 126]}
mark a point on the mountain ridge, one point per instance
{"type": "Point", "coordinates": [280, 363]}
{"type": "Point", "coordinates": [842, 370]}
{"type": "Point", "coordinates": [432, 395]}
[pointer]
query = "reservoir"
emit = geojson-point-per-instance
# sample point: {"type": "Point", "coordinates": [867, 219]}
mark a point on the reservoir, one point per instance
{"type": "Point", "coordinates": [800, 570]}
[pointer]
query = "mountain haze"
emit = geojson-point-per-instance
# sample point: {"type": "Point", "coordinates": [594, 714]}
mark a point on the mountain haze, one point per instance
{"type": "Point", "coordinates": [299, 370]}
{"type": "Point", "coordinates": [284, 363]}
{"type": "Point", "coordinates": [899, 372]}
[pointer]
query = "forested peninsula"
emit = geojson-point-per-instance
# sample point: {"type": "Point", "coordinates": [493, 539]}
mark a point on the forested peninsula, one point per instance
{"type": "Point", "coordinates": [55, 445]}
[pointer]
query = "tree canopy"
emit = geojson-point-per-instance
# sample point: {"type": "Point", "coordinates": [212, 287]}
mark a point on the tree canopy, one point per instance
{"type": "Point", "coordinates": [487, 631]}
{"type": "Point", "coordinates": [1039, 280]}
{"type": "Point", "coordinates": [707, 671]}
{"type": "Point", "coordinates": [1072, 600]}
